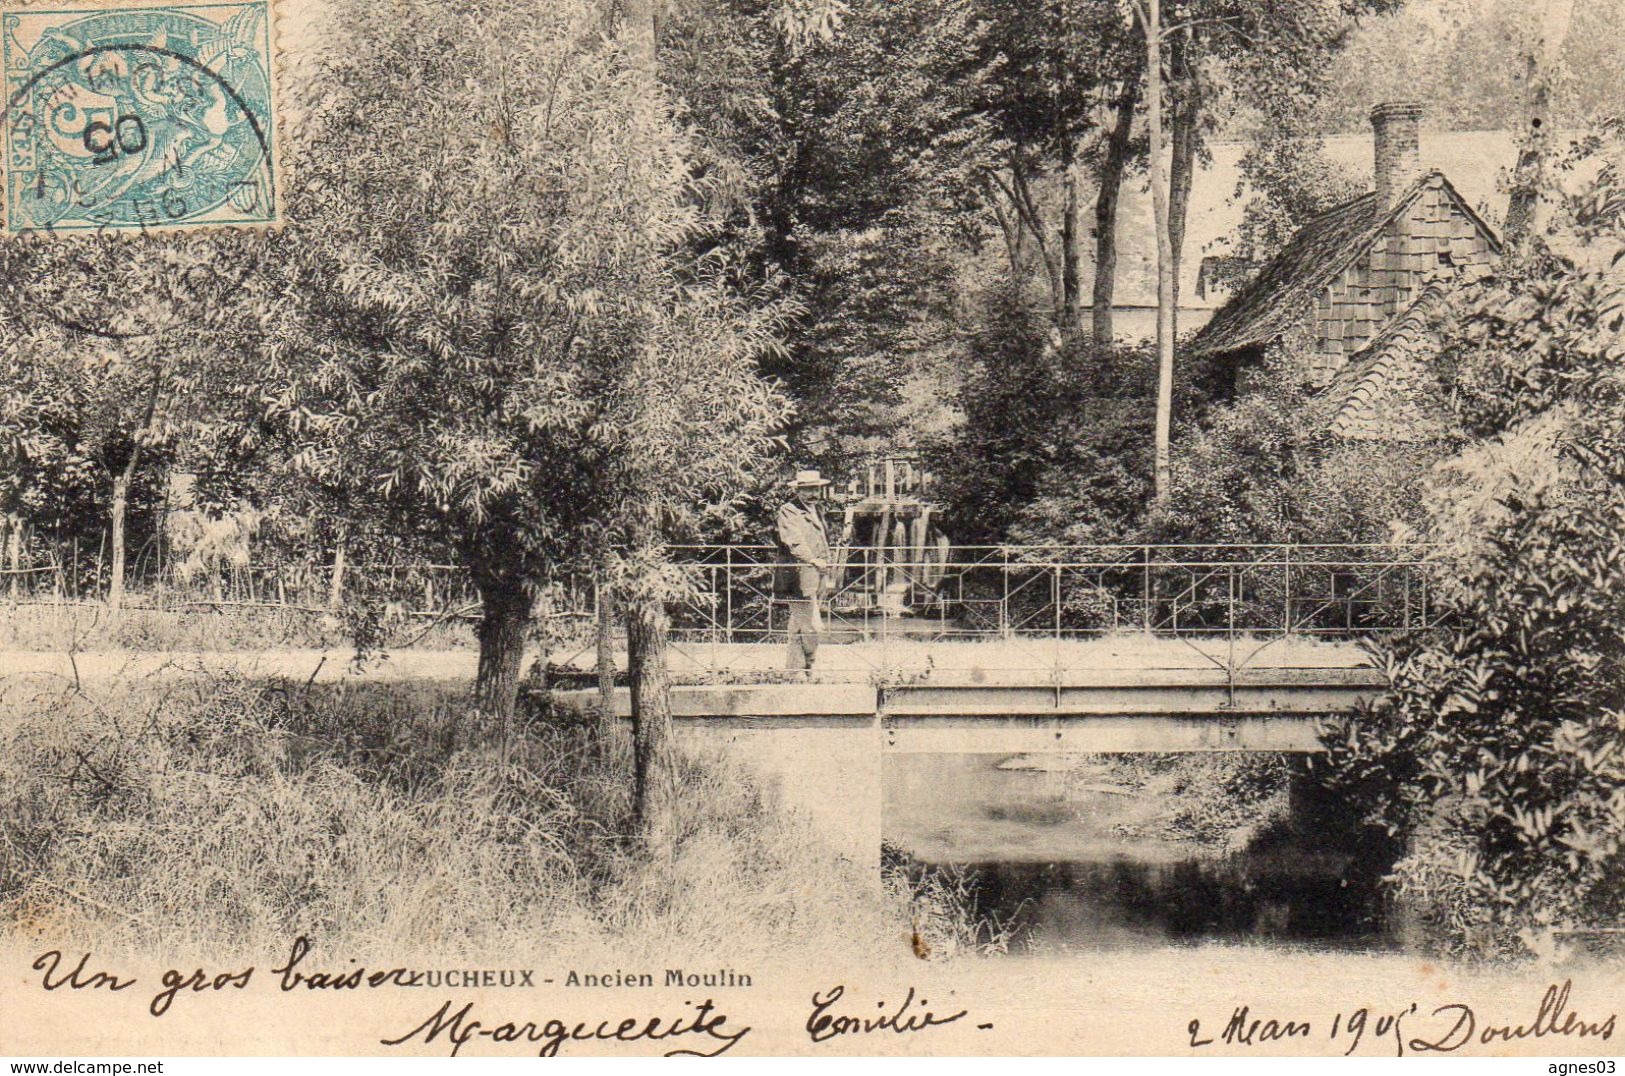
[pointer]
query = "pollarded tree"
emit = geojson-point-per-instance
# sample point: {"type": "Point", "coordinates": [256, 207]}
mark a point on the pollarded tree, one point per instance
{"type": "Point", "coordinates": [689, 423]}
{"type": "Point", "coordinates": [493, 235]}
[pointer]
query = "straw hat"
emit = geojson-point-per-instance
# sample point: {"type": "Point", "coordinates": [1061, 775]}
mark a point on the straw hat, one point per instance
{"type": "Point", "coordinates": [808, 480]}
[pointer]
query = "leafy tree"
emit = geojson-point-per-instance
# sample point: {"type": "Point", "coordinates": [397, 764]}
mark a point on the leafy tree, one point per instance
{"type": "Point", "coordinates": [1469, 60]}
{"type": "Point", "coordinates": [110, 354]}
{"type": "Point", "coordinates": [689, 422]}
{"type": "Point", "coordinates": [1215, 51]}
{"type": "Point", "coordinates": [867, 204]}
{"type": "Point", "coordinates": [1261, 467]}
{"type": "Point", "coordinates": [522, 360]}
{"type": "Point", "coordinates": [1052, 444]}
{"type": "Point", "coordinates": [1041, 80]}
{"type": "Point", "coordinates": [1499, 752]}
{"type": "Point", "coordinates": [1542, 59]}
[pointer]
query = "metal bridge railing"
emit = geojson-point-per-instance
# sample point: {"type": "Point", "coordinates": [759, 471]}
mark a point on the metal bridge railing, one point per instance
{"type": "Point", "coordinates": [1155, 605]}
{"type": "Point", "coordinates": [1074, 591]}
{"type": "Point", "coordinates": [1041, 598]}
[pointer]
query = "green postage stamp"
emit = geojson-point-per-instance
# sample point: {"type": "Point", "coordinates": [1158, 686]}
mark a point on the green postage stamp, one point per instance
{"type": "Point", "coordinates": [136, 117]}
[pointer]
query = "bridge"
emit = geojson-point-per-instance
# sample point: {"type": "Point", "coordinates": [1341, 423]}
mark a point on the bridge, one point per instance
{"type": "Point", "coordinates": [1024, 650]}
{"type": "Point", "coordinates": [996, 649]}
{"type": "Point", "coordinates": [1056, 648]}
{"type": "Point", "coordinates": [821, 747]}
{"type": "Point", "coordinates": [1158, 710]}
{"type": "Point", "coordinates": [1215, 647]}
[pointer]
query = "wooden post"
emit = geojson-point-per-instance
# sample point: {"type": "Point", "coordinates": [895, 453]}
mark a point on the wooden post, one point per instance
{"type": "Point", "coordinates": [1286, 627]}
{"type": "Point", "coordinates": [608, 720]}
{"type": "Point", "coordinates": [14, 552]}
{"type": "Point", "coordinates": [101, 555]}
{"type": "Point", "coordinates": [1056, 671]}
{"type": "Point", "coordinates": [1145, 588]}
{"type": "Point", "coordinates": [121, 501]}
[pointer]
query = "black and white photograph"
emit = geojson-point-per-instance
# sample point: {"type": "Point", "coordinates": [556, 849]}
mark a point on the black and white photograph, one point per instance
{"type": "Point", "coordinates": [812, 528]}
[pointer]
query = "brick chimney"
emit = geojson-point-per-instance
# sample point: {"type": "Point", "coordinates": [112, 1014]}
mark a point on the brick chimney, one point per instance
{"type": "Point", "coordinates": [1398, 161]}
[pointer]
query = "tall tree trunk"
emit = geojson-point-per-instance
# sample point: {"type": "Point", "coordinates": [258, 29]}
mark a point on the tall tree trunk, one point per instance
{"type": "Point", "coordinates": [1021, 195]}
{"type": "Point", "coordinates": [118, 513]}
{"type": "Point", "coordinates": [608, 722]}
{"type": "Point", "coordinates": [1071, 285]}
{"type": "Point", "coordinates": [1540, 66]}
{"type": "Point", "coordinates": [1111, 187]}
{"type": "Point", "coordinates": [1165, 257]}
{"type": "Point", "coordinates": [121, 494]}
{"type": "Point", "coordinates": [1011, 229]}
{"type": "Point", "coordinates": [506, 605]}
{"type": "Point", "coordinates": [1186, 138]}
{"type": "Point", "coordinates": [654, 792]}
{"type": "Point", "coordinates": [655, 774]}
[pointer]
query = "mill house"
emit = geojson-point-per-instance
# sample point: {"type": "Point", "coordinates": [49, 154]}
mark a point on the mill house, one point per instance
{"type": "Point", "coordinates": [1352, 300]}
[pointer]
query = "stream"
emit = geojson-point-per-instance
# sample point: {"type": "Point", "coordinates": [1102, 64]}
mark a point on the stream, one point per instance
{"type": "Point", "coordinates": [1065, 854]}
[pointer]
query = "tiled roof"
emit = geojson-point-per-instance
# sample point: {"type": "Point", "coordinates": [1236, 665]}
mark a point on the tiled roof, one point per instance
{"type": "Point", "coordinates": [1272, 300]}
{"type": "Point", "coordinates": [1474, 161]}
{"type": "Point", "coordinates": [1387, 392]}
{"type": "Point", "coordinates": [1285, 288]}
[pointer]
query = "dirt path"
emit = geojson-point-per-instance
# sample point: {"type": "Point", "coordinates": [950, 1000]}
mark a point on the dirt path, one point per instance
{"type": "Point", "coordinates": [323, 665]}
{"type": "Point", "coordinates": [852, 662]}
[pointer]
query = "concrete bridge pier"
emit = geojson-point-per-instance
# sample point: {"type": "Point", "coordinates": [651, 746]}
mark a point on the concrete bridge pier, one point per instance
{"type": "Point", "coordinates": [828, 770]}
{"type": "Point", "coordinates": [816, 748]}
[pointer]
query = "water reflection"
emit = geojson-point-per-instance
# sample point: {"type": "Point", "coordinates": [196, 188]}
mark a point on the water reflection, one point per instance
{"type": "Point", "coordinates": [1067, 857]}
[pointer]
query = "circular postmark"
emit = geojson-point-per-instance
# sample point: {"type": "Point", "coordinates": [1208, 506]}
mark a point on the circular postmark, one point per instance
{"type": "Point", "coordinates": [137, 119]}
{"type": "Point", "coordinates": [125, 126]}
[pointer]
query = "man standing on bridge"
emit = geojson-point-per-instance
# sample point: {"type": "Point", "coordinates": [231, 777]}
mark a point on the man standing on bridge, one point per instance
{"type": "Point", "coordinates": [803, 563]}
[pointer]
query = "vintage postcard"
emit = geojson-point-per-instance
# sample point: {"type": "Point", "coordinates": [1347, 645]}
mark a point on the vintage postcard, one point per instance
{"type": "Point", "coordinates": [812, 528]}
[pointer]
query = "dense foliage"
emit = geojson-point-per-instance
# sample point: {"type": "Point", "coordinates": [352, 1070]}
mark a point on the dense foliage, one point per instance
{"type": "Point", "coordinates": [111, 349]}
{"type": "Point", "coordinates": [1261, 468]}
{"type": "Point", "coordinates": [1053, 446]}
{"type": "Point", "coordinates": [1499, 754]}
{"type": "Point", "coordinates": [543, 267]}
{"type": "Point", "coordinates": [1465, 58]}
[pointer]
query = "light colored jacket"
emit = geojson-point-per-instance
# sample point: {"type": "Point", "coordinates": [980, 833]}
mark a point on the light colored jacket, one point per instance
{"type": "Point", "coordinates": [802, 538]}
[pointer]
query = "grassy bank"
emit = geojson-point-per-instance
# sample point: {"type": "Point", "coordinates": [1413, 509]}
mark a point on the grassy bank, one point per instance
{"type": "Point", "coordinates": [223, 816]}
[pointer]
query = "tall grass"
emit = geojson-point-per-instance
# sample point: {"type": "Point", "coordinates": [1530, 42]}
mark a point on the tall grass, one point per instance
{"type": "Point", "coordinates": [224, 816]}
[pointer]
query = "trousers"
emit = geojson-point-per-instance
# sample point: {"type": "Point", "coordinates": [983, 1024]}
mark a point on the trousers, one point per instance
{"type": "Point", "coordinates": [804, 630]}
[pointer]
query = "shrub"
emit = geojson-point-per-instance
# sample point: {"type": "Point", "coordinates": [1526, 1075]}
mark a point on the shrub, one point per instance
{"type": "Point", "coordinates": [1056, 439]}
{"type": "Point", "coordinates": [941, 914]}
{"type": "Point", "coordinates": [1498, 753]}
{"type": "Point", "coordinates": [1261, 468]}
